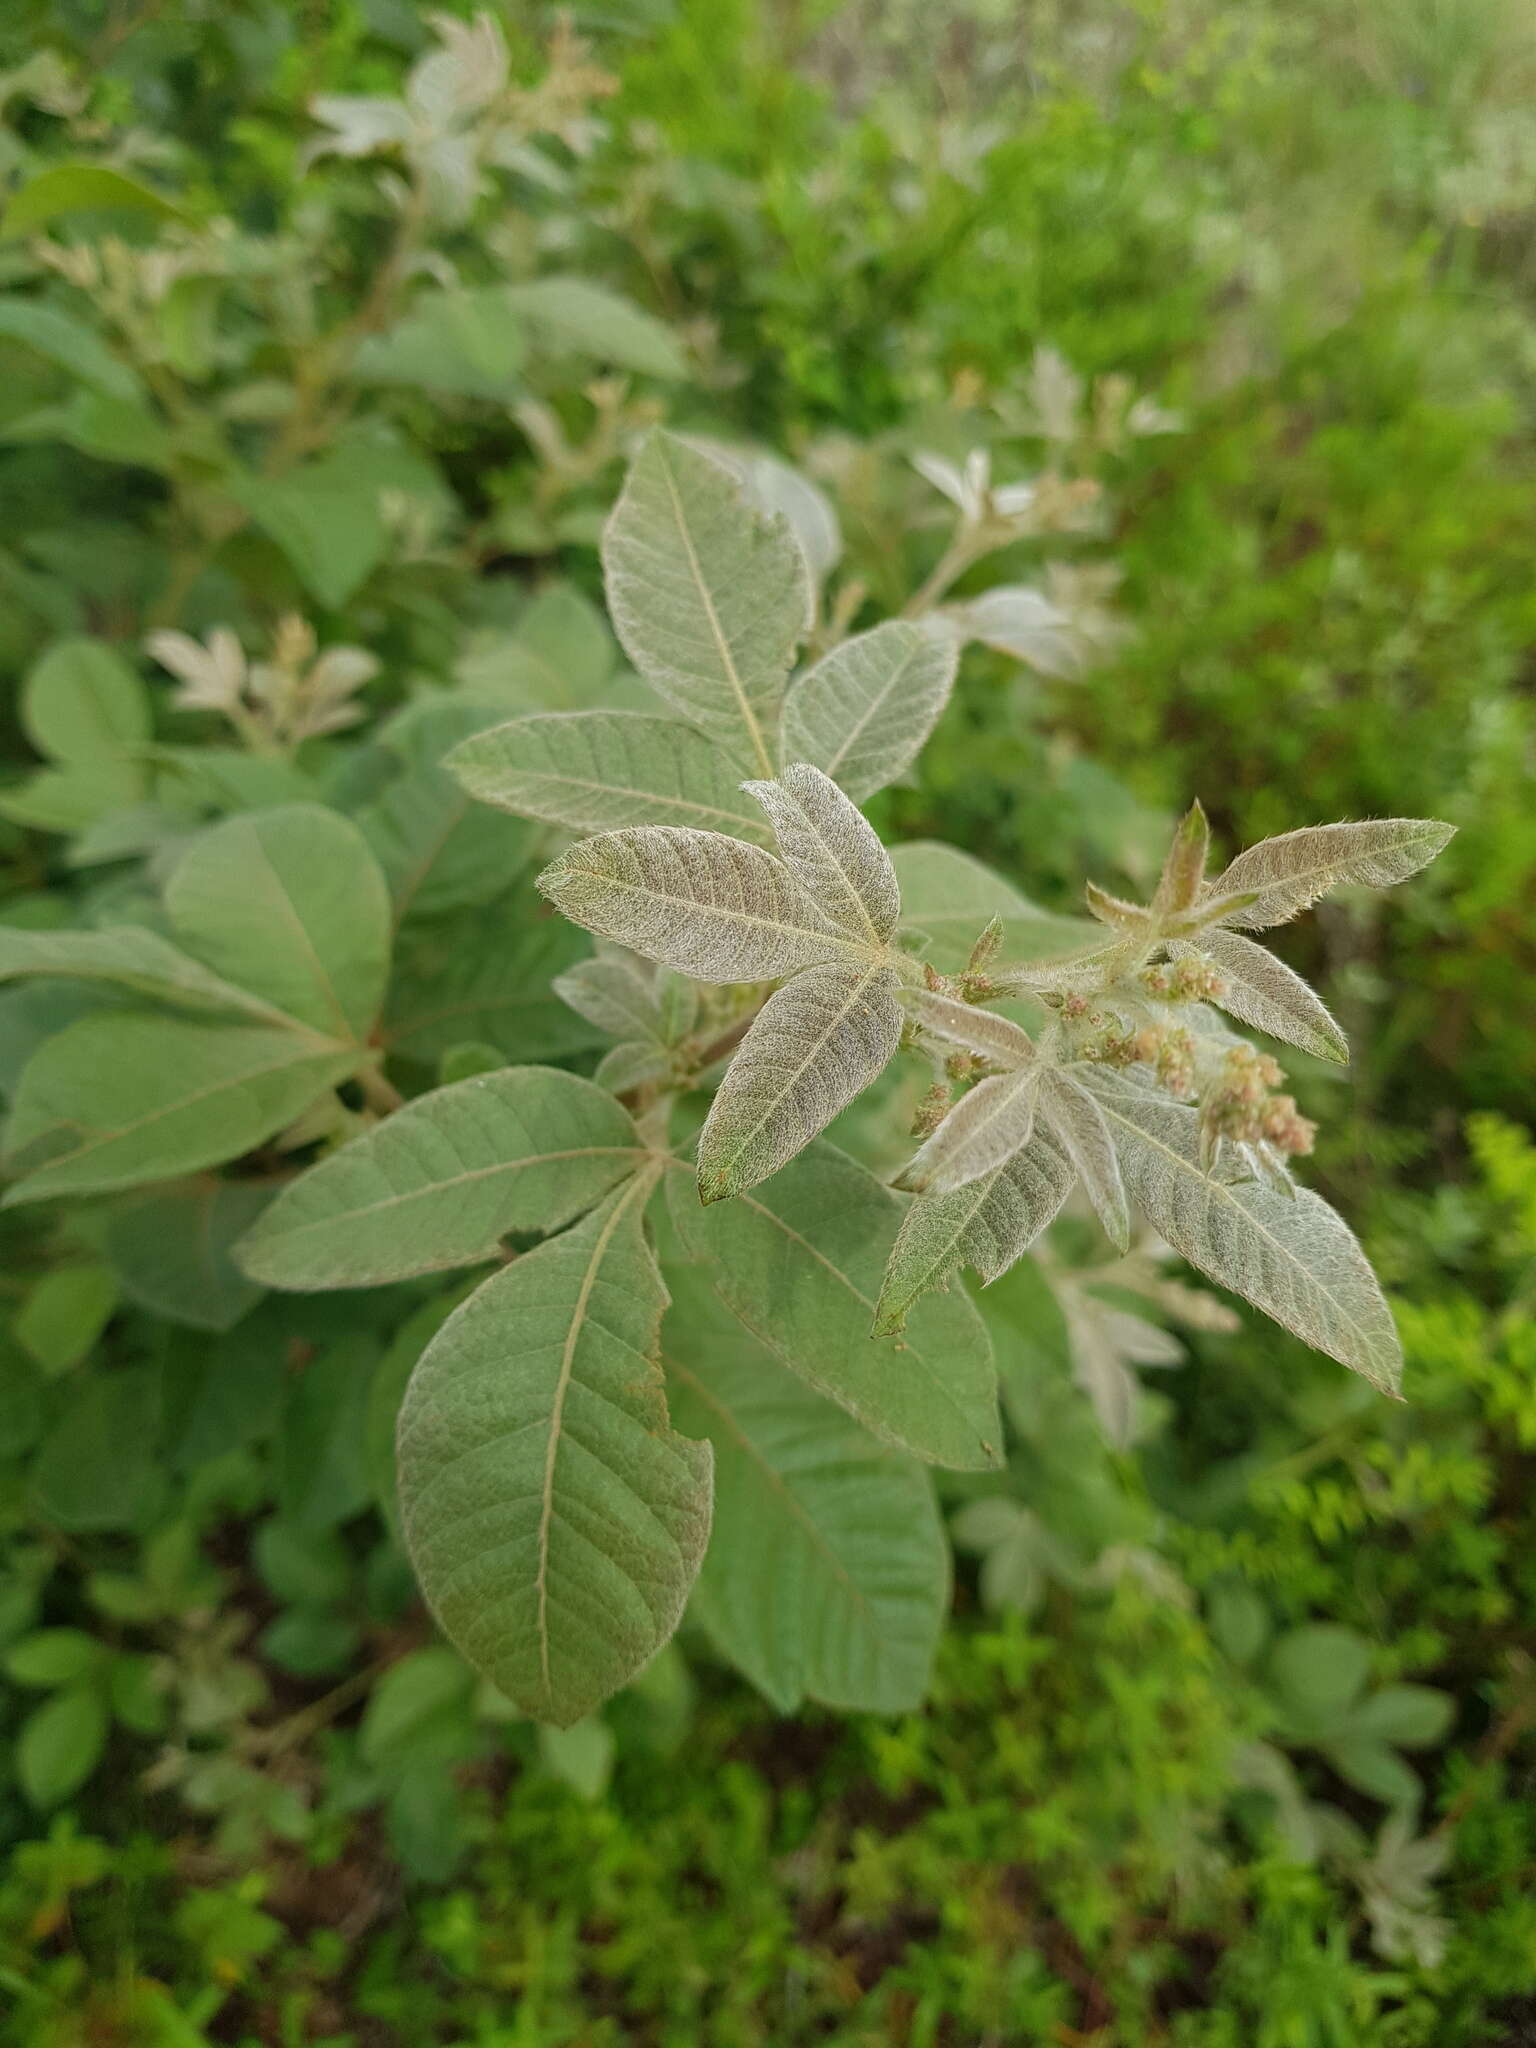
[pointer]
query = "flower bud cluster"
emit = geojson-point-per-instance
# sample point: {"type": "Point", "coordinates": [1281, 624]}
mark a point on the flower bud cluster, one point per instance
{"type": "Point", "coordinates": [1243, 1106]}
{"type": "Point", "coordinates": [1167, 1048]}
{"type": "Point", "coordinates": [1191, 979]}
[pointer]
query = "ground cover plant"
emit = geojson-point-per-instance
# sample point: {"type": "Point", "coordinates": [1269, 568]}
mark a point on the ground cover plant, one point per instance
{"type": "Point", "coordinates": [496, 953]}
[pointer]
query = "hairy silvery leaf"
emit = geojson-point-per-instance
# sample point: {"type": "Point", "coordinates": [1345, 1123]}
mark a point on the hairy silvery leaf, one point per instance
{"type": "Point", "coordinates": [1017, 619]}
{"type": "Point", "coordinates": [985, 1127]}
{"type": "Point", "coordinates": [707, 905]}
{"type": "Point", "coordinates": [117, 1100]}
{"type": "Point", "coordinates": [862, 713]}
{"type": "Point", "coordinates": [442, 1181]}
{"type": "Point", "coordinates": [827, 1574]}
{"type": "Point", "coordinates": [616, 992]}
{"type": "Point", "coordinates": [1292, 871]}
{"type": "Point", "coordinates": [708, 596]}
{"type": "Point", "coordinates": [799, 1261]}
{"type": "Point", "coordinates": [774, 486]}
{"type": "Point", "coordinates": [595, 770]}
{"type": "Point", "coordinates": [981, 1031]}
{"type": "Point", "coordinates": [1078, 1125]}
{"type": "Point", "coordinates": [947, 897]}
{"type": "Point", "coordinates": [815, 1044]}
{"type": "Point", "coordinates": [1264, 992]}
{"type": "Point", "coordinates": [988, 1225]}
{"type": "Point", "coordinates": [1291, 1257]}
{"type": "Point", "coordinates": [127, 957]}
{"type": "Point", "coordinates": [833, 851]}
{"type": "Point", "coordinates": [555, 1519]}
{"type": "Point", "coordinates": [291, 903]}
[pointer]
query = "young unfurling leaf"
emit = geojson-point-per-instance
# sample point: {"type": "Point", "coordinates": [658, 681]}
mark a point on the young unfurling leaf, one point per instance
{"type": "Point", "coordinates": [981, 1031]}
{"type": "Point", "coordinates": [1261, 990]}
{"type": "Point", "coordinates": [1290, 872]}
{"type": "Point", "coordinates": [862, 713]}
{"type": "Point", "coordinates": [833, 852]}
{"type": "Point", "coordinates": [816, 1043]}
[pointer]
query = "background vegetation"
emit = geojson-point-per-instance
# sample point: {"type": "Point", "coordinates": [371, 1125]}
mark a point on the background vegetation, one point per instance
{"type": "Point", "coordinates": [1234, 1732]}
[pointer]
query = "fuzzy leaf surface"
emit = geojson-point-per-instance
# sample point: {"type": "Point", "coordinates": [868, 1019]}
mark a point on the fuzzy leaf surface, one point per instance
{"type": "Point", "coordinates": [987, 1126]}
{"type": "Point", "coordinates": [1077, 1123]}
{"type": "Point", "coordinates": [555, 1519]}
{"type": "Point", "coordinates": [598, 770]}
{"type": "Point", "coordinates": [292, 904]}
{"type": "Point", "coordinates": [709, 906]}
{"type": "Point", "coordinates": [799, 1259]}
{"type": "Point", "coordinates": [1264, 992]}
{"type": "Point", "coordinates": [987, 1224]}
{"type": "Point", "coordinates": [833, 852]}
{"type": "Point", "coordinates": [815, 1044]}
{"type": "Point", "coordinates": [827, 1574]}
{"type": "Point", "coordinates": [968, 1025]}
{"type": "Point", "coordinates": [1291, 1256]}
{"type": "Point", "coordinates": [1290, 872]}
{"type": "Point", "coordinates": [862, 714]}
{"type": "Point", "coordinates": [442, 1181]}
{"type": "Point", "coordinates": [708, 596]}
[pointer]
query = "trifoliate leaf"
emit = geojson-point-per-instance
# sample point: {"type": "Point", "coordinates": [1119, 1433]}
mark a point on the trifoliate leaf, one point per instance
{"type": "Point", "coordinates": [862, 713]}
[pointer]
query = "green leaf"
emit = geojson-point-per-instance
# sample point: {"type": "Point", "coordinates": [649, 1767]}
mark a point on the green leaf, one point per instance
{"type": "Point", "coordinates": [116, 1100]}
{"type": "Point", "coordinates": [441, 1182]}
{"type": "Point", "coordinates": [863, 712]}
{"type": "Point", "coordinates": [1290, 1255]}
{"type": "Point", "coordinates": [1319, 1671]}
{"type": "Point", "coordinates": [463, 344]}
{"type": "Point", "coordinates": [70, 799]}
{"type": "Point", "coordinates": [1412, 1716]}
{"type": "Point", "coordinates": [69, 343]}
{"type": "Point", "coordinates": [60, 1745]}
{"type": "Point", "coordinates": [815, 1044]}
{"type": "Point", "coordinates": [126, 957]}
{"type": "Point", "coordinates": [171, 1250]}
{"type": "Point", "coordinates": [438, 848]}
{"type": "Point", "coordinates": [799, 1260]}
{"type": "Point", "coordinates": [827, 1573]}
{"type": "Point", "coordinates": [987, 1224]}
{"type": "Point", "coordinates": [709, 906]}
{"type": "Point", "coordinates": [292, 904]}
{"type": "Point", "coordinates": [580, 1756]}
{"type": "Point", "coordinates": [321, 1466]}
{"type": "Point", "coordinates": [97, 1468]}
{"type": "Point", "coordinates": [555, 1520]}
{"type": "Point", "coordinates": [419, 1712]}
{"type": "Point", "coordinates": [53, 1656]}
{"type": "Point", "coordinates": [949, 897]}
{"type": "Point", "coordinates": [81, 188]}
{"type": "Point", "coordinates": [708, 596]}
{"type": "Point", "coordinates": [573, 316]}
{"type": "Point", "coordinates": [82, 704]}
{"type": "Point", "coordinates": [594, 770]}
{"type": "Point", "coordinates": [559, 657]}
{"type": "Point", "coordinates": [64, 1314]}
{"type": "Point", "coordinates": [325, 517]}
{"type": "Point", "coordinates": [449, 986]}
{"type": "Point", "coordinates": [1376, 1770]}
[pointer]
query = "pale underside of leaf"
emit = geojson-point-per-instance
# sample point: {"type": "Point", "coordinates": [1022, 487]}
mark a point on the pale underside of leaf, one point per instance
{"type": "Point", "coordinates": [832, 851]}
{"type": "Point", "coordinates": [598, 770]}
{"type": "Point", "coordinates": [615, 991]}
{"type": "Point", "coordinates": [555, 1519]}
{"type": "Point", "coordinates": [987, 1225]}
{"type": "Point", "coordinates": [799, 1259]}
{"type": "Point", "coordinates": [1290, 872]}
{"type": "Point", "coordinates": [442, 1181]}
{"type": "Point", "coordinates": [863, 712]}
{"type": "Point", "coordinates": [965, 1024]}
{"type": "Point", "coordinates": [118, 1100]}
{"type": "Point", "coordinates": [815, 1044]}
{"type": "Point", "coordinates": [707, 905]}
{"type": "Point", "coordinates": [708, 596]}
{"type": "Point", "coordinates": [827, 1571]}
{"type": "Point", "coordinates": [1264, 992]}
{"type": "Point", "coordinates": [987, 1126]}
{"type": "Point", "coordinates": [1291, 1256]}
{"type": "Point", "coordinates": [1077, 1123]}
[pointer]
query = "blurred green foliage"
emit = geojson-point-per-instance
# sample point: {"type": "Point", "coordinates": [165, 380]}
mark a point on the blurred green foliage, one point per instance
{"type": "Point", "coordinates": [1254, 1765]}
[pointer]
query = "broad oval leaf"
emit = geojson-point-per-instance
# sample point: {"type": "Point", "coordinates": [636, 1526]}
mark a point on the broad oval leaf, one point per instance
{"type": "Point", "coordinates": [1291, 871]}
{"type": "Point", "coordinates": [449, 988]}
{"type": "Point", "coordinates": [1077, 1123]}
{"type": "Point", "coordinates": [555, 1519]}
{"type": "Point", "coordinates": [815, 1044]}
{"type": "Point", "coordinates": [827, 1574]}
{"type": "Point", "coordinates": [988, 1225]}
{"type": "Point", "coordinates": [862, 713]}
{"type": "Point", "coordinates": [442, 1181]}
{"type": "Point", "coordinates": [292, 904]}
{"type": "Point", "coordinates": [117, 1100]}
{"type": "Point", "coordinates": [987, 1126]}
{"type": "Point", "coordinates": [127, 957]}
{"type": "Point", "coordinates": [82, 704]}
{"type": "Point", "coordinates": [1264, 992]}
{"type": "Point", "coordinates": [833, 851]}
{"type": "Point", "coordinates": [709, 906]}
{"type": "Point", "coordinates": [1290, 1255]}
{"type": "Point", "coordinates": [597, 770]}
{"type": "Point", "coordinates": [707, 595]}
{"type": "Point", "coordinates": [799, 1260]}
{"type": "Point", "coordinates": [170, 1248]}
